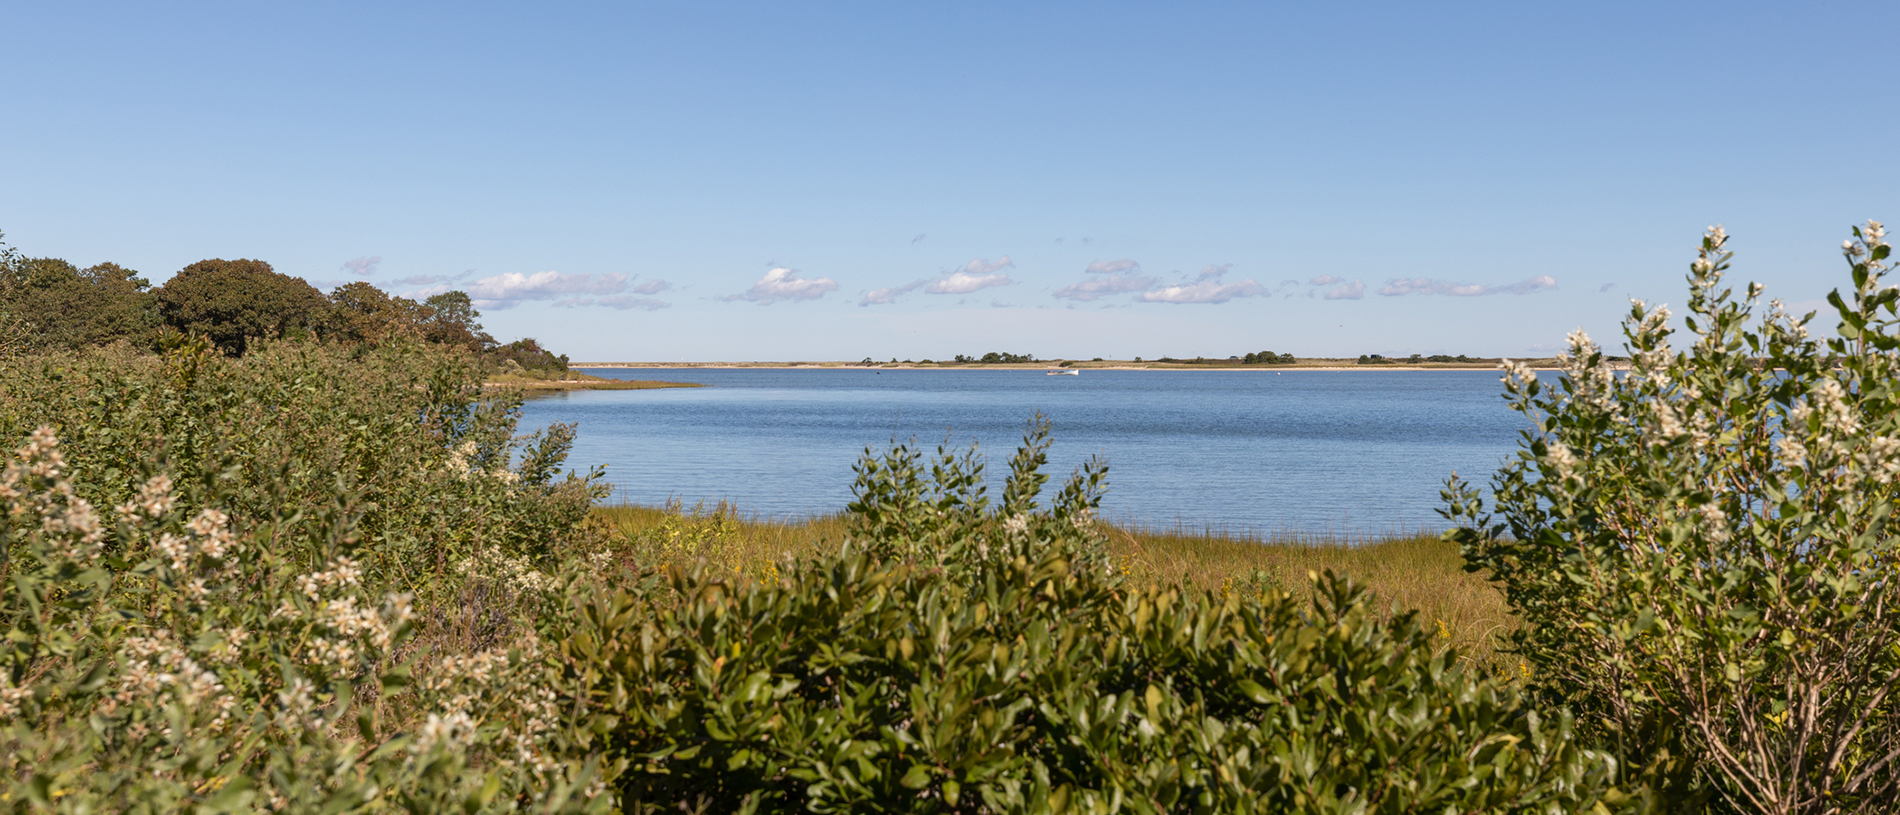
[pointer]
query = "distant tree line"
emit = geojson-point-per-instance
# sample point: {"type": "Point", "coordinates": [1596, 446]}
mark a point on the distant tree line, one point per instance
{"type": "Point", "coordinates": [1267, 358]}
{"type": "Point", "coordinates": [1377, 359]}
{"type": "Point", "coordinates": [1252, 358]}
{"type": "Point", "coordinates": [996, 357]}
{"type": "Point", "coordinates": [49, 304]}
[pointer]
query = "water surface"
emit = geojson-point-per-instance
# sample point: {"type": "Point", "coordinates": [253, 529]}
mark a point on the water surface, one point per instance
{"type": "Point", "coordinates": [1325, 451]}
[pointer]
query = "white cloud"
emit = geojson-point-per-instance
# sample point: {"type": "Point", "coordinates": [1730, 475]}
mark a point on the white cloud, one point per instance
{"type": "Point", "coordinates": [976, 275]}
{"type": "Point", "coordinates": [363, 266]}
{"type": "Point", "coordinates": [1351, 291]}
{"type": "Point", "coordinates": [962, 282]}
{"type": "Point", "coordinates": [885, 296]}
{"type": "Point", "coordinates": [785, 284]}
{"type": "Point", "coordinates": [1111, 266]}
{"type": "Point", "coordinates": [624, 302]}
{"type": "Point", "coordinates": [654, 286]}
{"type": "Point", "coordinates": [619, 301]}
{"type": "Point", "coordinates": [981, 266]}
{"type": "Point", "coordinates": [1096, 287]}
{"type": "Point", "coordinates": [421, 280]}
{"type": "Point", "coordinates": [504, 291]}
{"type": "Point", "coordinates": [1213, 272]}
{"type": "Point", "coordinates": [1323, 280]}
{"type": "Point", "coordinates": [1426, 285]}
{"type": "Point", "coordinates": [1205, 291]}
{"type": "Point", "coordinates": [1605, 287]}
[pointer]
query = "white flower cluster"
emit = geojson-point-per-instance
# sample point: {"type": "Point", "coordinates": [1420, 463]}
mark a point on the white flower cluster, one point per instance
{"type": "Point", "coordinates": [1780, 321]}
{"type": "Point", "coordinates": [11, 696]}
{"type": "Point", "coordinates": [1517, 376]}
{"type": "Point", "coordinates": [1714, 522]}
{"type": "Point", "coordinates": [1874, 234]}
{"type": "Point", "coordinates": [1823, 431]}
{"type": "Point", "coordinates": [154, 664]}
{"type": "Point", "coordinates": [453, 732]}
{"type": "Point", "coordinates": [155, 499]}
{"type": "Point", "coordinates": [296, 707]}
{"type": "Point", "coordinates": [343, 572]}
{"type": "Point", "coordinates": [1590, 384]}
{"type": "Point", "coordinates": [346, 629]}
{"type": "Point", "coordinates": [1562, 461]}
{"type": "Point", "coordinates": [517, 573]}
{"type": "Point", "coordinates": [66, 520]}
{"type": "Point", "coordinates": [210, 537]}
{"type": "Point", "coordinates": [471, 688]}
{"type": "Point", "coordinates": [1651, 331]}
{"type": "Point", "coordinates": [459, 463]}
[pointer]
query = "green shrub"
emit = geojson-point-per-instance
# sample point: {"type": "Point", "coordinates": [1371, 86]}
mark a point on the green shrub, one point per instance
{"type": "Point", "coordinates": [1702, 550]}
{"type": "Point", "coordinates": [959, 657]}
{"type": "Point", "coordinates": [278, 433]}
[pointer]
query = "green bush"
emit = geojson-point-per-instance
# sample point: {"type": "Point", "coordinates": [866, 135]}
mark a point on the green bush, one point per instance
{"type": "Point", "coordinates": [959, 657]}
{"type": "Point", "coordinates": [1702, 550]}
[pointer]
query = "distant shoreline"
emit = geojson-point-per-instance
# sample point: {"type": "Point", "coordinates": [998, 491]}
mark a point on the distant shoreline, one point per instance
{"type": "Point", "coordinates": [1318, 365]}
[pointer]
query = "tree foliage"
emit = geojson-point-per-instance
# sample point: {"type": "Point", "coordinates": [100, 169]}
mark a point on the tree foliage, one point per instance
{"type": "Point", "coordinates": [233, 302]}
{"type": "Point", "coordinates": [55, 305]}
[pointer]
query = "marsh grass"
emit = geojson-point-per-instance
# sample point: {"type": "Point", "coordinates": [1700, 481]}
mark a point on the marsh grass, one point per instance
{"type": "Point", "coordinates": [1405, 571]}
{"type": "Point", "coordinates": [574, 381]}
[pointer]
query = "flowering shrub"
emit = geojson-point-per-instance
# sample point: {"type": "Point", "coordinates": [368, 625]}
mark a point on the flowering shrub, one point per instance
{"type": "Point", "coordinates": [1702, 549]}
{"type": "Point", "coordinates": [209, 604]}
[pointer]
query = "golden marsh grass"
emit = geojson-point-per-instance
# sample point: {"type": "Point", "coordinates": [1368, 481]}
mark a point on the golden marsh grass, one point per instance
{"type": "Point", "coordinates": [1406, 571]}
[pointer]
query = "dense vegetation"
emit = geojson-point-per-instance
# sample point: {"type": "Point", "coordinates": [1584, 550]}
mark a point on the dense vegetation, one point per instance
{"type": "Point", "coordinates": [48, 304]}
{"type": "Point", "coordinates": [330, 577]}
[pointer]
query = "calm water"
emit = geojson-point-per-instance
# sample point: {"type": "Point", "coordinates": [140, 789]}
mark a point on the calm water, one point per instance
{"type": "Point", "coordinates": [1342, 452]}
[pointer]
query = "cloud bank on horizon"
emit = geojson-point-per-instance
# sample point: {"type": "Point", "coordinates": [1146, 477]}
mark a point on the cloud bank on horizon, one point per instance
{"type": "Point", "coordinates": [1425, 285]}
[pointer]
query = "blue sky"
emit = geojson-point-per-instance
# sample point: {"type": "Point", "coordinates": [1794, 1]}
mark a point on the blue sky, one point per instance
{"type": "Point", "coordinates": [834, 181]}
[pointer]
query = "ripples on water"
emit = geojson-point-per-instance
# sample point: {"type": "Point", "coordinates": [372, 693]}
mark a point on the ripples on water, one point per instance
{"type": "Point", "coordinates": [1352, 452]}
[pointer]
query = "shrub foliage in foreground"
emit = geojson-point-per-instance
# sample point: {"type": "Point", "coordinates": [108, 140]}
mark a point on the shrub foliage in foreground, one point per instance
{"type": "Point", "coordinates": [299, 581]}
{"type": "Point", "coordinates": [958, 658]}
{"type": "Point", "coordinates": [1703, 551]}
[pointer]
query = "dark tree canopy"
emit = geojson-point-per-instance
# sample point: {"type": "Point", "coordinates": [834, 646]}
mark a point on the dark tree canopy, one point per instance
{"type": "Point", "coordinates": [233, 301]}
{"type": "Point", "coordinates": [454, 322]}
{"type": "Point", "coordinates": [60, 306]}
{"type": "Point", "coordinates": [363, 313]}
{"type": "Point", "coordinates": [527, 353]}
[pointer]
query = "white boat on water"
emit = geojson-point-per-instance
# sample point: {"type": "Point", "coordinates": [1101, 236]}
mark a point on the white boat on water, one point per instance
{"type": "Point", "coordinates": [1063, 373]}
